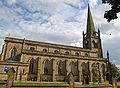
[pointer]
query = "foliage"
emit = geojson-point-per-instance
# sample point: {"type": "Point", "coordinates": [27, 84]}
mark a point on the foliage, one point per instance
{"type": "Point", "coordinates": [115, 8]}
{"type": "Point", "coordinates": [95, 72]}
{"type": "Point", "coordinates": [115, 71]}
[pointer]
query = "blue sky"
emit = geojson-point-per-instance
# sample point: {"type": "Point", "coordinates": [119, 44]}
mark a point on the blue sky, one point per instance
{"type": "Point", "coordinates": [58, 21]}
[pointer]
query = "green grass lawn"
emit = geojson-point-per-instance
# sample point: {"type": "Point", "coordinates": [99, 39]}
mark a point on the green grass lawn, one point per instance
{"type": "Point", "coordinates": [40, 83]}
{"type": "Point", "coordinates": [80, 83]}
{"type": "Point", "coordinates": [60, 83]}
{"type": "Point", "coordinates": [118, 84]}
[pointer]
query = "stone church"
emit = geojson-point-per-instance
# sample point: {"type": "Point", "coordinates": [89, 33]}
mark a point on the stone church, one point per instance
{"type": "Point", "coordinates": [41, 61]}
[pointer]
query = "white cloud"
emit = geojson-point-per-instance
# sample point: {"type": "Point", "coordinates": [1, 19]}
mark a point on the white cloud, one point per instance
{"type": "Point", "coordinates": [78, 43]}
{"type": "Point", "coordinates": [118, 66]}
{"type": "Point", "coordinates": [10, 2]}
{"type": "Point", "coordinates": [92, 3]}
{"type": "Point", "coordinates": [58, 21]}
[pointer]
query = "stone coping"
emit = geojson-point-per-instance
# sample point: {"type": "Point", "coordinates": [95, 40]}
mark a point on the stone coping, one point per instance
{"type": "Point", "coordinates": [17, 40]}
{"type": "Point", "coordinates": [3, 81]}
{"type": "Point", "coordinates": [13, 63]}
{"type": "Point", "coordinates": [63, 55]}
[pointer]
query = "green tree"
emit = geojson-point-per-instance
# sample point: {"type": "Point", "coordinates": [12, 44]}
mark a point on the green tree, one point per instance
{"type": "Point", "coordinates": [115, 71]}
{"type": "Point", "coordinates": [115, 8]}
{"type": "Point", "coordinates": [95, 72]}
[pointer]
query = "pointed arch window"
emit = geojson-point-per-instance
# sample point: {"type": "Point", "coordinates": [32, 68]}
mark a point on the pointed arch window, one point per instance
{"type": "Point", "coordinates": [84, 70]}
{"type": "Point", "coordinates": [94, 44]}
{"type": "Point", "coordinates": [33, 69]}
{"type": "Point", "coordinates": [13, 53]}
{"type": "Point", "coordinates": [103, 71]}
{"type": "Point", "coordinates": [83, 66]}
{"type": "Point", "coordinates": [86, 44]}
{"type": "Point", "coordinates": [73, 68]}
{"type": "Point", "coordinates": [31, 66]}
{"type": "Point", "coordinates": [60, 67]}
{"type": "Point", "coordinates": [46, 67]}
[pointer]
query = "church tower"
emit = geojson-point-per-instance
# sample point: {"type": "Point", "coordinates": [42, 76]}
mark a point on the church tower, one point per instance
{"type": "Point", "coordinates": [91, 39]}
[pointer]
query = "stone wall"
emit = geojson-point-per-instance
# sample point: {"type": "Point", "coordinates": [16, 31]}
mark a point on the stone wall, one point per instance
{"type": "Point", "coordinates": [28, 50]}
{"type": "Point", "coordinates": [17, 67]}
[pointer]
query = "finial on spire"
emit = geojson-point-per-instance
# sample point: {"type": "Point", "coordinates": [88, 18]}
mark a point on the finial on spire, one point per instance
{"type": "Point", "coordinates": [88, 5]}
{"type": "Point", "coordinates": [98, 30]}
{"type": "Point", "coordinates": [107, 55]}
{"type": "Point", "coordinates": [24, 41]}
{"type": "Point", "coordinates": [83, 32]}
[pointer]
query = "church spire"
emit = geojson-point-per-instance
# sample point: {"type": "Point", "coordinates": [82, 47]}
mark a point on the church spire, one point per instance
{"type": "Point", "coordinates": [91, 39]}
{"type": "Point", "coordinates": [90, 24]}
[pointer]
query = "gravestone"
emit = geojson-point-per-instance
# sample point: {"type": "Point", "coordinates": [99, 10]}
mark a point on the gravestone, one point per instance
{"type": "Point", "coordinates": [87, 80]}
{"type": "Point", "coordinates": [10, 77]}
{"type": "Point", "coordinates": [114, 82]}
{"type": "Point", "coordinates": [70, 80]}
